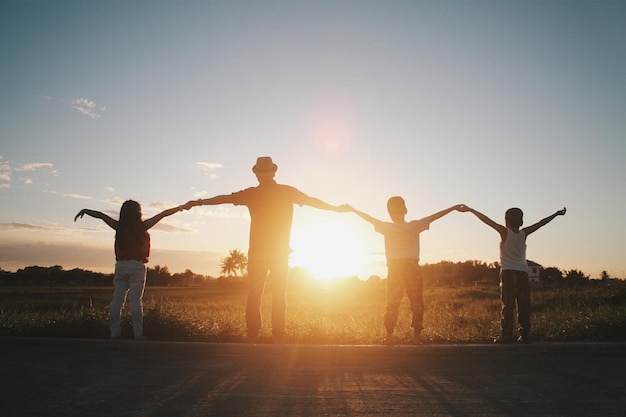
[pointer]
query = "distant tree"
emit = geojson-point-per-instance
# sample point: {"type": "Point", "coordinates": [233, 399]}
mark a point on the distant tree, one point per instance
{"type": "Point", "coordinates": [575, 277]}
{"type": "Point", "coordinates": [159, 275]}
{"type": "Point", "coordinates": [228, 266]}
{"type": "Point", "coordinates": [235, 261]}
{"type": "Point", "coordinates": [551, 274]}
{"type": "Point", "coordinates": [605, 276]}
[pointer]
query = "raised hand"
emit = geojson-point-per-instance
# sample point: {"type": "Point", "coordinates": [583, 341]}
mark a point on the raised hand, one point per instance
{"type": "Point", "coordinates": [80, 214]}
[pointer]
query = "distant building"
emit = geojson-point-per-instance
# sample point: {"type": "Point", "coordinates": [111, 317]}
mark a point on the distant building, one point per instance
{"type": "Point", "coordinates": [533, 271]}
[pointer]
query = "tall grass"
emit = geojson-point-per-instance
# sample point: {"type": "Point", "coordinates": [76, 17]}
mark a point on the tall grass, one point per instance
{"type": "Point", "coordinates": [344, 312]}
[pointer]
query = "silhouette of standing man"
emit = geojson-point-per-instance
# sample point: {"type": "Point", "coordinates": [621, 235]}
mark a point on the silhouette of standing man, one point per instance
{"type": "Point", "coordinates": [271, 212]}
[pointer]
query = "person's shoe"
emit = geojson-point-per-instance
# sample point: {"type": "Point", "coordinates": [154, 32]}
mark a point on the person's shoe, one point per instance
{"type": "Point", "coordinates": [523, 339]}
{"type": "Point", "coordinates": [251, 339]}
{"type": "Point", "coordinates": [388, 340]}
{"type": "Point", "coordinates": [417, 339]}
{"type": "Point", "coordinates": [503, 340]}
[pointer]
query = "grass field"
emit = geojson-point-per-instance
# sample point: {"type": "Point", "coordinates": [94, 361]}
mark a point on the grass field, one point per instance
{"type": "Point", "coordinates": [347, 312]}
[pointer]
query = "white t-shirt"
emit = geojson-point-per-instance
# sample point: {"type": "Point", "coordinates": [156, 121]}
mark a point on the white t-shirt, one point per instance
{"type": "Point", "coordinates": [513, 251]}
{"type": "Point", "coordinates": [402, 240]}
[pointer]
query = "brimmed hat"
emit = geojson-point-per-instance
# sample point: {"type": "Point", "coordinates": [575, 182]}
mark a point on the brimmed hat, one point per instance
{"type": "Point", "coordinates": [264, 167]}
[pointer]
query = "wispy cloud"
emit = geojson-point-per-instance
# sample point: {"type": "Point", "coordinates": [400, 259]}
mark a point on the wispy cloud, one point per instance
{"type": "Point", "coordinates": [77, 196]}
{"type": "Point", "coordinates": [109, 189]}
{"type": "Point", "coordinates": [33, 166]}
{"type": "Point", "coordinates": [209, 168]}
{"type": "Point", "coordinates": [26, 226]}
{"type": "Point", "coordinates": [7, 169]}
{"type": "Point", "coordinates": [87, 107]}
{"type": "Point", "coordinates": [162, 205]}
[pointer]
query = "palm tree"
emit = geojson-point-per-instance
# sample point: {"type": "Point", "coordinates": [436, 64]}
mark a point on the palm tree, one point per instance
{"type": "Point", "coordinates": [235, 261]}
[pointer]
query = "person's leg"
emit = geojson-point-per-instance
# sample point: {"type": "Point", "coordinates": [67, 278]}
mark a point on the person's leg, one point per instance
{"type": "Point", "coordinates": [415, 292]}
{"type": "Point", "coordinates": [507, 295]}
{"type": "Point", "coordinates": [120, 288]}
{"type": "Point", "coordinates": [257, 274]}
{"type": "Point", "coordinates": [137, 284]}
{"type": "Point", "coordinates": [395, 290]}
{"type": "Point", "coordinates": [523, 306]}
{"type": "Point", "coordinates": [279, 270]}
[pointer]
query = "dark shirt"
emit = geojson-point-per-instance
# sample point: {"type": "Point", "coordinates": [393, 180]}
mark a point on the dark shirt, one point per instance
{"type": "Point", "coordinates": [128, 248]}
{"type": "Point", "coordinates": [271, 213]}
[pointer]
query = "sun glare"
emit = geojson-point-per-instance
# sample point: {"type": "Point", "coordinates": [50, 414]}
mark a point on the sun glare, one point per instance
{"type": "Point", "coordinates": [330, 249]}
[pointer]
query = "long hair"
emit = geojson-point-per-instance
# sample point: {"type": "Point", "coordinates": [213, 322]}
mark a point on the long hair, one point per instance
{"type": "Point", "coordinates": [130, 223]}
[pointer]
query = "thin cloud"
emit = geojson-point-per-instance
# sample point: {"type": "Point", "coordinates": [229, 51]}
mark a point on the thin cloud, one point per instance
{"type": "Point", "coordinates": [109, 189]}
{"type": "Point", "coordinates": [87, 107]}
{"type": "Point", "coordinates": [209, 168]}
{"type": "Point", "coordinates": [162, 205]}
{"type": "Point", "coordinates": [77, 196]}
{"type": "Point", "coordinates": [33, 166]}
{"type": "Point", "coordinates": [26, 226]}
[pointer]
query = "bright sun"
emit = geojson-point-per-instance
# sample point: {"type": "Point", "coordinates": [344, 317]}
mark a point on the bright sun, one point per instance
{"type": "Point", "coordinates": [331, 247]}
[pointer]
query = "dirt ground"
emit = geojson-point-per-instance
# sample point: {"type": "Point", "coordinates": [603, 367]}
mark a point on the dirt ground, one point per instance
{"type": "Point", "coordinates": [72, 378]}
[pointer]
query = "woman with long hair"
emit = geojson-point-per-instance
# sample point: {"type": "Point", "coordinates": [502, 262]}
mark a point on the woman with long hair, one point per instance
{"type": "Point", "coordinates": [132, 250]}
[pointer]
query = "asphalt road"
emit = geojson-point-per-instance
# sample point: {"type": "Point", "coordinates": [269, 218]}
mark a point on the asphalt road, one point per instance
{"type": "Point", "coordinates": [72, 378]}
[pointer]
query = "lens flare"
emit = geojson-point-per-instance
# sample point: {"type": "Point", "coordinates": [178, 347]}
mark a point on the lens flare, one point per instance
{"type": "Point", "coordinates": [332, 140]}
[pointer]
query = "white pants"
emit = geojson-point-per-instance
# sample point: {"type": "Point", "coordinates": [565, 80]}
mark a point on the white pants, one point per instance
{"type": "Point", "coordinates": [129, 278]}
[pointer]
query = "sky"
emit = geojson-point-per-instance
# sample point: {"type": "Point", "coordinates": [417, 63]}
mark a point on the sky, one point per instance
{"type": "Point", "coordinates": [494, 104]}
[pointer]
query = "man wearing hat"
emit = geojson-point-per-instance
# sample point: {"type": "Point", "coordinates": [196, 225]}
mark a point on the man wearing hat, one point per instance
{"type": "Point", "coordinates": [271, 212]}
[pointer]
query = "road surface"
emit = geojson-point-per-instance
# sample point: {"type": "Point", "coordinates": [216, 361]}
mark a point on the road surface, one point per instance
{"type": "Point", "coordinates": [92, 378]}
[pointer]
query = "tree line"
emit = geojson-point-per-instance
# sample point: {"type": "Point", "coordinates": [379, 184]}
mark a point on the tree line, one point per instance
{"type": "Point", "coordinates": [233, 273]}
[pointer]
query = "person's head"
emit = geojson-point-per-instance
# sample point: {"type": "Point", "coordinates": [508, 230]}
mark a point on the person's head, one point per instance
{"type": "Point", "coordinates": [514, 218]}
{"type": "Point", "coordinates": [396, 208]}
{"type": "Point", "coordinates": [130, 220]}
{"type": "Point", "coordinates": [264, 168]}
{"type": "Point", "coordinates": [130, 212]}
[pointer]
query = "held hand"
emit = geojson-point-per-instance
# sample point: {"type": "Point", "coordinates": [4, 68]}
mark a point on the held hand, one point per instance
{"type": "Point", "coordinates": [344, 208]}
{"type": "Point", "coordinates": [350, 208]}
{"type": "Point", "coordinates": [189, 204]}
{"type": "Point", "coordinates": [561, 212]}
{"type": "Point", "coordinates": [463, 208]}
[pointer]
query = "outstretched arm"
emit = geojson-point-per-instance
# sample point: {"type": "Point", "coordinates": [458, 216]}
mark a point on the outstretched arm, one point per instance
{"type": "Point", "coordinates": [364, 216]}
{"type": "Point", "coordinates": [442, 213]}
{"type": "Point", "coordinates": [497, 227]}
{"type": "Point", "coordinates": [98, 215]}
{"type": "Point", "coordinates": [530, 229]}
{"type": "Point", "coordinates": [154, 220]}
{"type": "Point", "coordinates": [322, 205]}
{"type": "Point", "coordinates": [219, 199]}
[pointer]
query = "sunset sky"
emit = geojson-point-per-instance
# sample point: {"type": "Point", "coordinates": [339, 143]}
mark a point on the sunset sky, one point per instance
{"type": "Point", "coordinates": [494, 104]}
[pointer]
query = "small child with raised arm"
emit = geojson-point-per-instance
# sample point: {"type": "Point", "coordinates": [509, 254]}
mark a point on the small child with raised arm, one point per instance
{"type": "Point", "coordinates": [402, 249]}
{"type": "Point", "coordinates": [514, 284]}
{"type": "Point", "coordinates": [132, 250]}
